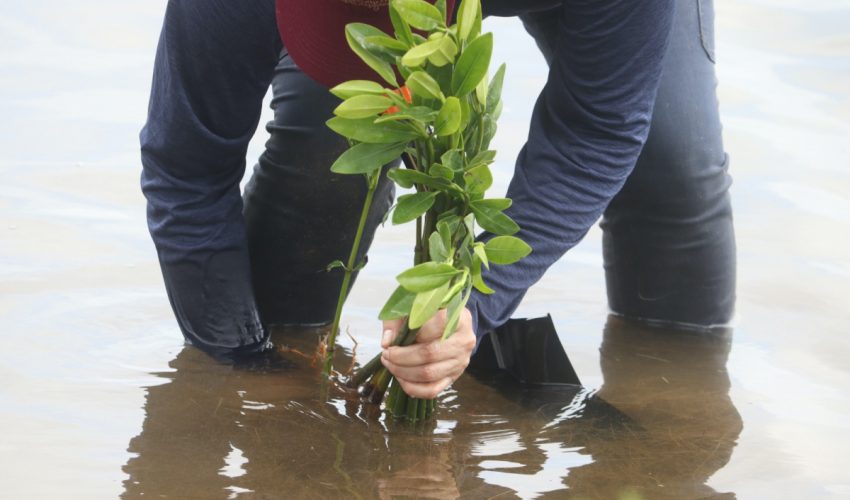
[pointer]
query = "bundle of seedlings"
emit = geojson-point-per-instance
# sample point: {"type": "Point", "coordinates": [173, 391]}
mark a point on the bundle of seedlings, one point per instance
{"type": "Point", "coordinates": [439, 117]}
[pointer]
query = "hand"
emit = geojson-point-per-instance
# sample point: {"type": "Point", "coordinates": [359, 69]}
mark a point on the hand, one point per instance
{"type": "Point", "coordinates": [430, 364]}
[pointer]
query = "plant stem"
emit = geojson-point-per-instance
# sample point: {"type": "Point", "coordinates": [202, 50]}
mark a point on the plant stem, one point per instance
{"type": "Point", "coordinates": [365, 372]}
{"type": "Point", "coordinates": [372, 180]}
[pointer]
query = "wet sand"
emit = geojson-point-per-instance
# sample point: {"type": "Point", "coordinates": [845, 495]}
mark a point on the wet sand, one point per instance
{"type": "Point", "coordinates": [100, 399]}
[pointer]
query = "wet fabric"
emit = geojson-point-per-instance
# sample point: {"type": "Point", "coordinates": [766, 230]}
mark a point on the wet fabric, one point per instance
{"type": "Point", "coordinates": [232, 266]}
{"type": "Point", "coordinates": [668, 235]}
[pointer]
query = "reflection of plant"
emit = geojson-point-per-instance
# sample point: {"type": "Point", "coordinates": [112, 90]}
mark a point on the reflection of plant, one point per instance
{"type": "Point", "coordinates": [441, 122]}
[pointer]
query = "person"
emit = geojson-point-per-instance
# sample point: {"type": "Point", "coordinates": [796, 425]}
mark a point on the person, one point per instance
{"type": "Point", "coordinates": [626, 128]}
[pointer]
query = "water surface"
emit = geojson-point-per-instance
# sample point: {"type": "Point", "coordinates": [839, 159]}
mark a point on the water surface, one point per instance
{"type": "Point", "coordinates": [100, 399]}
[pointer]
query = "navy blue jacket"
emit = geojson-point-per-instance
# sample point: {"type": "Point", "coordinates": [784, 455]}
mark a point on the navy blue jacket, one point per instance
{"type": "Point", "coordinates": [214, 64]}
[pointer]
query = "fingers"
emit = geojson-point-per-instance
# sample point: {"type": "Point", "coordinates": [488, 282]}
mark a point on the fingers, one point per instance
{"type": "Point", "coordinates": [457, 346]}
{"type": "Point", "coordinates": [431, 364]}
{"type": "Point", "coordinates": [433, 328]}
{"type": "Point", "coordinates": [428, 390]}
{"type": "Point", "coordinates": [391, 328]}
{"type": "Point", "coordinates": [427, 367]}
{"type": "Point", "coordinates": [426, 374]}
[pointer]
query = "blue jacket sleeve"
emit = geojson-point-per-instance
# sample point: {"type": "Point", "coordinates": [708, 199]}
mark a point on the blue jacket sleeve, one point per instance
{"type": "Point", "coordinates": [587, 130]}
{"type": "Point", "coordinates": [214, 63]}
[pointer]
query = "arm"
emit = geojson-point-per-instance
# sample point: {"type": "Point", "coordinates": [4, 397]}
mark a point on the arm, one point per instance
{"type": "Point", "coordinates": [587, 130]}
{"type": "Point", "coordinates": [214, 63]}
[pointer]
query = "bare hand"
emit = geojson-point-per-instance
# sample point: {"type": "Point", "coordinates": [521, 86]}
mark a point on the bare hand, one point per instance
{"type": "Point", "coordinates": [430, 364]}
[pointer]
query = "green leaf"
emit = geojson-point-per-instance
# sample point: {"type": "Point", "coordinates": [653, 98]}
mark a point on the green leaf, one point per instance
{"type": "Point", "coordinates": [357, 87]}
{"type": "Point", "coordinates": [457, 286]}
{"type": "Point", "coordinates": [448, 227]}
{"type": "Point", "coordinates": [426, 276]}
{"type": "Point", "coordinates": [398, 305]}
{"type": "Point", "coordinates": [402, 29]}
{"type": "Point", "coordinates": [419, 14]}
{"type": "Point", "coordinates": [445, 53]}
{"type": "Point", "coordinates": [365, 158]}
{"type": "Point", "coordinates": [443, 76]}
{"type": "Point", "coordinates": [489, 215]}
{"type": "Point", "coordinates": [494, 94]}
{"type": "Point", "coordinates": [489, 130]}
{"type": "Point", "coordinates": [403, 181]}
{"type": "Point", "coordinates": [453, 311]}
{"type": "Point", "coordinates": [498, 111]}
{"type": "Point", "coordinates": [472, 65]}
{"type": "Point", "coordinates": [444, 229]}
{"type": "Point", "coordinates": [477, 280]}
{"type": "Point", "coordinates": [417, 55]}
{"type": "Point", "coordinates": [448, 120]}
{"type": "Point", "coordinates": [478, 179]}
{"type": "Point", "coordinates": [436, 249]}
{"type": "Point", "coordinates": [469, 222]}
{"type": "Point", "coordinates": [441, 6]}
{"type": "Point", "coordinates": [407, 178]}
{"type": "Point", "coordinates": [360, 265]}
{"type": "Point", "coordinates": [366, 130]}
{"type": "Point", "coordinates": [506, 250]}
{"type": "Point", "coordinates": [466, 17]}
{"type": "Point", "coordinates": [421, 114]}
{"type": "Point", "coordinates": [425, 306]}
{"type": "Point", "coordinates": [411, 206]}
{"type": "Point", "coordinates": [453, 159]}
{"type": "Point", "coordinates": [423, 85]}
{"type": "Point", "coordinates": [478, 249]}
{"type": "Point", "coordinates": [466, 113]}
{"type": "Point", "coordinates": [441, 172]}
{"type": "Point", "coordinates": [335, 265]}
{"type": "Point", "coordinates": [484, 158]}
{"type": "Point", "coordinates": [363, 106]}
{"type": "Point", "coordinates": [494, 203]}
{"type": "Point", "coordinates": [481, 91]}
{"type": "Point", "coordinates": [355, 34]}
{"type": "Point", "coordinates": [383, 42]}
{"type": "Point", "coordinates": [440, 51]}
{"type": "Point", "coordinates": [476, 25]}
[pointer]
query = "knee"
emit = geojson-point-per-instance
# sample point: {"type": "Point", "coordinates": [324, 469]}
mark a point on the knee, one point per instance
{"type": "Point", "coordinates": [680, 174]}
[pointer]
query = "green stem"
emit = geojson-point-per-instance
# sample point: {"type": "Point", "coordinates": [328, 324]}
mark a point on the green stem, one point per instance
{"type": "Point", "coordinates": [349, 267]}
{"type": "Point", "coordinates": [366, 371]}
{"type": "Point", "coordinates": [399, 401]}
{"type": "Point", "coordinates": [412, 409]}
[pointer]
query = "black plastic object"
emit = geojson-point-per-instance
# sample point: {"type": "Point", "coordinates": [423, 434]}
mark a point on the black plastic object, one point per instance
{"type": "Point", "coordinates": [527, 349]}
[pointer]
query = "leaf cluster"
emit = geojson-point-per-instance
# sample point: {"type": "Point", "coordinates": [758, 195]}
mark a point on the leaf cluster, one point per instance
{"type": "Point", "coordinates": [436, 107]}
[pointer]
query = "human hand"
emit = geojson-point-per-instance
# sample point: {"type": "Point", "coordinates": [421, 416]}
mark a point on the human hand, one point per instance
{"type": "Point", "coordinates": [430, 364]}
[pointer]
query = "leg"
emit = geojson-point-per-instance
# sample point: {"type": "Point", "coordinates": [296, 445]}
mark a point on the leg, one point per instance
{"type": "Point", "coordinates": [300, 217]}
{"type": "Point", "coordinates": [668, 237]}
{"type": "Point", "coordinates": [669, 241]}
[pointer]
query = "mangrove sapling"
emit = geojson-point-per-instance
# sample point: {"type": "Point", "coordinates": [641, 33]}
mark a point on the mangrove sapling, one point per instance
{"type": "Point", "coordinates": [440, 120]}
{"type": "Point", "coordinates": [372, 179]}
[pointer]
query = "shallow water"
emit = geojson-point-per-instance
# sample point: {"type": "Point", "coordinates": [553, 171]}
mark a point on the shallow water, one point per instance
{"type": "Point", "coordinates": [99, 398]}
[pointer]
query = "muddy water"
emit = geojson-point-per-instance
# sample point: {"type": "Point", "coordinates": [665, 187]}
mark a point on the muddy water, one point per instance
{"type": "Point", "coordinates": [99, 398]}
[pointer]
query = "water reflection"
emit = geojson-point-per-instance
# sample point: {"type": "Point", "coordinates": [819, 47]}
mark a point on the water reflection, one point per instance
{"type": "Point", "coordinates": [660, 425]}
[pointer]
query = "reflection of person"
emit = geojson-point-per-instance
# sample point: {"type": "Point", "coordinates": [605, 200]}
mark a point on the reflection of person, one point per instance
{"type": "Point", "coordinates": [233, 264]}
{"type": "Point", "coordinates": [661, 425]}
{"type": "Point", "coordinates": [675, 387]}
{"type": "Point", "coordinates": [213, 432]}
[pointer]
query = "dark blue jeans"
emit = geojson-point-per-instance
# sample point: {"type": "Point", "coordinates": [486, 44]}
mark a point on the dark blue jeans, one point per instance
{"type": "Point", "coordinates": [668, 236]}
{"type": "Point", "coordinates": [669, 243]}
